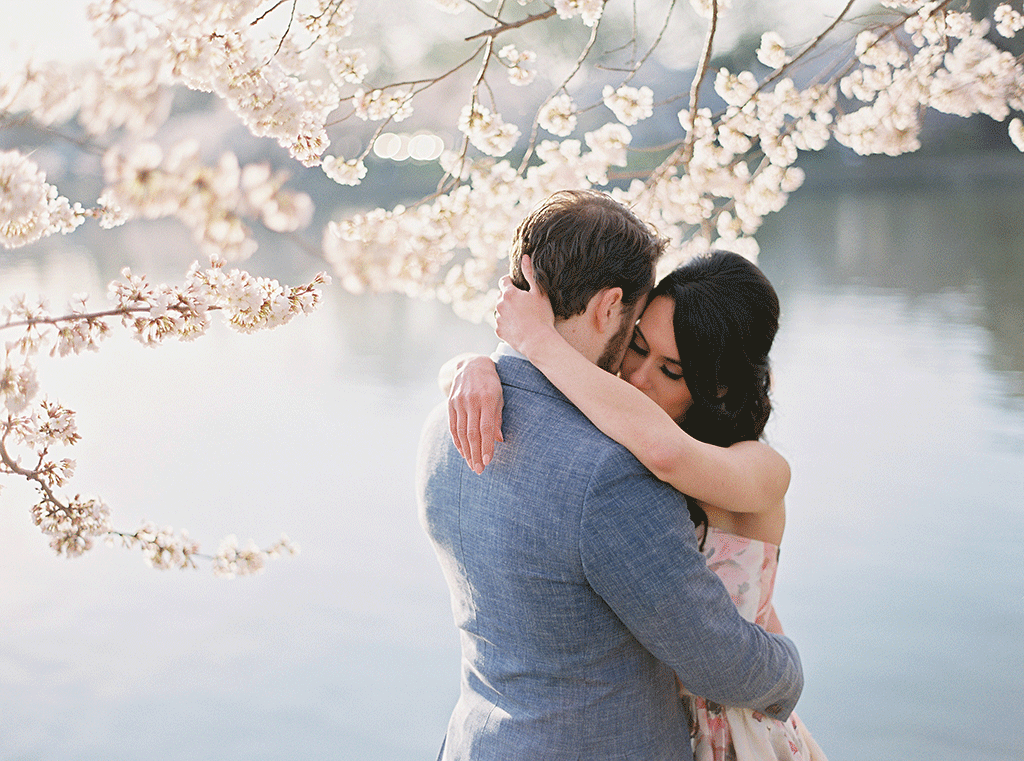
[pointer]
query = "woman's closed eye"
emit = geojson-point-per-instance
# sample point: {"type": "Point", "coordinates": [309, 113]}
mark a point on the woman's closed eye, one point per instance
{"type": "Point", "coordinates": [634, 345]}
{"type": "Point", "coordinates": [668, 370]}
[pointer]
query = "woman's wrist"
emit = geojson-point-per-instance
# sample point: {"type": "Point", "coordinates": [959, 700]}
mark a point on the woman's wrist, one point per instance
{"type": "Point", "coordinates": [476, 363]}
{"type": "Point", "coordinates": [540, 344]}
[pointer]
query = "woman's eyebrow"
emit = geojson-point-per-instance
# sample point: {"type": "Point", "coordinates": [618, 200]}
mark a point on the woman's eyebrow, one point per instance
{"type": "Point", "coordinates": [638, 332]}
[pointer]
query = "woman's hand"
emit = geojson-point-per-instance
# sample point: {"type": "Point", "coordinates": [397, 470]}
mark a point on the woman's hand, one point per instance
{"type": "Point", "coordinates": [523, 316]}
{"type": "Point", "coordinates": [474, 397]}
{"type": "Point", "coordinates": [474, 410]}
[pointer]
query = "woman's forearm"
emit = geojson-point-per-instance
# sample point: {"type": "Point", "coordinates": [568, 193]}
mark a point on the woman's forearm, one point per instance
{"type": "Point", "coordinates": [446, 375]}
{"type": "Point", "coordinates": [619, 410]}
{"type": "Point", "coordinates": [747, 477]}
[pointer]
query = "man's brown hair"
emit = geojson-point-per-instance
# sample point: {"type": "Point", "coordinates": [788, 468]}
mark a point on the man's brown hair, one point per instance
{"type": "Point", "coordinates": [581, 242]}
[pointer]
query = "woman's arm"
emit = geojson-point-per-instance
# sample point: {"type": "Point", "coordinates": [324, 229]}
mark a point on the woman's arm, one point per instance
{"type": "Point", "coordinates": [474, 406]}
{"type": "Point", "coordinates": [773, 624]}
{"type": "Point", "coordinates": [746, 477]}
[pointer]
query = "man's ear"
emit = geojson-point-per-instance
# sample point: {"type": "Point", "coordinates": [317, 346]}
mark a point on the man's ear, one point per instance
{"type": "Point", "coordinates": [606, 309]}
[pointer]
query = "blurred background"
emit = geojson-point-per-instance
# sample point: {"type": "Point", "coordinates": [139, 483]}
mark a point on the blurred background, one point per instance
{"type": "Point", "coordinates": [899, 402]}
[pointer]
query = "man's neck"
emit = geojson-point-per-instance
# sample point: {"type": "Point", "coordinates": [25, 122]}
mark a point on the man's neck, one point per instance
{"type": "Point", "coordinates": [576, 333]}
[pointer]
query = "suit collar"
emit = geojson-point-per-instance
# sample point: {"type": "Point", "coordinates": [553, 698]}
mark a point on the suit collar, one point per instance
{"type": "Point", "coordinates": [516, 370]}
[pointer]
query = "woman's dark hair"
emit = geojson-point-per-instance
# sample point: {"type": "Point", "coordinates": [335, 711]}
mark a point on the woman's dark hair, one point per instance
{"type": "Point", "coordinates": [725, 320]}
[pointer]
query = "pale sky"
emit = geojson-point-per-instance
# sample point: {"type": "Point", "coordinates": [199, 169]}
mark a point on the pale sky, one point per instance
{"type": "Point", "coordinates": [58, 30]}
{"type": "Point", "coordinates": [45, 29]}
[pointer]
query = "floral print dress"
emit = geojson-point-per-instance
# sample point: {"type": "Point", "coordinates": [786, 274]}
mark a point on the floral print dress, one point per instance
{"type": "Point", "coordinates": [724, 733]}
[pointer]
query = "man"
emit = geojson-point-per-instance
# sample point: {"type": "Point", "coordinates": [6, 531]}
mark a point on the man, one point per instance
{"type": "Point", "coordinates": [575, 577]}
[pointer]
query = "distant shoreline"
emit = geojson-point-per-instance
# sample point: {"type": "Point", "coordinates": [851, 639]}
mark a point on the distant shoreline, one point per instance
{"type": "Point", "coordinates": [954, 171]}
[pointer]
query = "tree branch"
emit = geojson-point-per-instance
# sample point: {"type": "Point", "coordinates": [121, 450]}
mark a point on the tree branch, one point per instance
{"type": "Point", "coordinates": [501, 29]}
{"type": "Point", "coordinates": [575, 70]}
{"type": "Point", "coordinates": [684, 153]}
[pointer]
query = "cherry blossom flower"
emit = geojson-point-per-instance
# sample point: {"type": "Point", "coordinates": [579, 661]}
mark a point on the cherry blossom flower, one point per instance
{"type": "Point", "coordinates": [486, 130]}
{"type": "Point", "coordinates": [558, 116]}
{"type": "Point", "coordinates": [18, 385]}
{"type": "Point", "coordinates": [1017, 133]}
{"type": "Point", "coordinates": [772, 52]}
{"type": "Point", "coordinates": [344, 172]}
{"type": "Point", "coordinates": [518, 64]}
{"type": "Point", "coordinates": [30, 208]}
{"type": "Point", "coordinates": [1008, 20]}
{"type": "Point", "coordinates": [610, 143]}
{"type": "Point", "coordinates": [345, 65]}
{"type": "Point", "coordinates": [377, 105]}
{"type": "Point", "coordinates": [588, 10]}
{"type": "Point", "coordinates": [210, 200]}
{"type": "Point", "coordinates": [735, 89]}
{"type": "Point", "coordinates": [629, 104]}
{"type": "Point", "coordinates": [704, 7]}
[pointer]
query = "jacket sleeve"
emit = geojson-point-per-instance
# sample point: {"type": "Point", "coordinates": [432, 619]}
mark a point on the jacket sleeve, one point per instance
{"type": "Point", "coordinates": [640, 554]}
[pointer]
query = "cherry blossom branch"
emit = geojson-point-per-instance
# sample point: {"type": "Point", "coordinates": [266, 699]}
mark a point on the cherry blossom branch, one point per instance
{"type": "Point", "coordinates": [12, 466]}
{"type": "Point", "coordinates": [698, 77]}
{"type": "Point", "coordinates": [584, 54]}
{"type": "Point", "coordinates": [683, 154]}
{"type": "Point", "coordinates": [507, 26]}
{"type": "Point", "coordinates": [288, 28]}
{"type": "Point", "coordinates": [635, 68]}
{"type": "Point", "coordinates": [807, 50]}
{"type": "Point", "coordinates": [74, 524]}
{"type": "Point", "coordinates": [153, 313]}
{"type": "Point", "coordinates": [270, 10]}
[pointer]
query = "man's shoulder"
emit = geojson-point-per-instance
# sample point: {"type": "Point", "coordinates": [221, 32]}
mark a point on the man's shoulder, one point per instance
{"type": "Point", "coordinates": [528, 394]}
{"type": "Point", "coordinates": [523, 382]}
{"type": "Point", "coordinates": [533, 404]}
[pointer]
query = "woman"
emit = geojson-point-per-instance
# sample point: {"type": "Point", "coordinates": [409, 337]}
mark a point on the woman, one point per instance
{"type": "Point", "coordinates": [692, 409]}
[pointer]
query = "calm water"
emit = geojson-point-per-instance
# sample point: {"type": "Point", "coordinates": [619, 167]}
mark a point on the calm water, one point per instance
{"type": "Point", "coordinates": [899, 402]}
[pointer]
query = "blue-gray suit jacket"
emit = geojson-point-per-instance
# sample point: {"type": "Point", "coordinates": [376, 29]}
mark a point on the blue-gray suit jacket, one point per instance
{"type": "Point", "coordinates": [579, 592]}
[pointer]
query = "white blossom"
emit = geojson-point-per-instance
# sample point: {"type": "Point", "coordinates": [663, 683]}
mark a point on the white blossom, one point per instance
{"type": "Point", "coordinates": [486, 130]}
{"type": "Point", "coordinates": [519, 64]}
{"type": "Point", "coordinates": [1017, 133]}
{"type": "Point", "coordinates": [30, 208]}
{"type": "Point", "coordinates": [1008, 20]}
{"type": "Point", "coordinates": [76, 336]}
{"type": "Point", "coordinates": [18, 385]}
{"type": "Point", "coordinates": [345, 65]}
{"type": "Point", "coordinates": [704, 7]}
{"type": "Point", "coordinates": [588, 10]}
{"type": "Point", "coordinates": [610, 143]}
{"type": "Point", "coordinates": [772, 52]}
{"type": "Point", "coordinates": [377, 105]}
{"type": "Point", "coordinates": [232, 560]}
{"type": "Point", "coordinates": [735, 89]}
{"type": "Point", "coordinates": [344, 172]}
{"type": "Point", "coordinates": [211, 200]}
{"type": "Point", "coordinates": [332, 21]}
{"type": "Point", "coordinates": [72, 526]}
{"type": "Point", "coordinates": [558, 116]}
{"type": "Point", "coordinates": [629, 104]}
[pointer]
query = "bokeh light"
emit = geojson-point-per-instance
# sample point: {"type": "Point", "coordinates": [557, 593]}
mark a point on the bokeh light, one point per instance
{"type": "Point", "coordinates": [422, 146]}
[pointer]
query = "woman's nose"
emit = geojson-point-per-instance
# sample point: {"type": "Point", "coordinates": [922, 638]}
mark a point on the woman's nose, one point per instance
{"type": "Point", "coordinates": [640, 377]}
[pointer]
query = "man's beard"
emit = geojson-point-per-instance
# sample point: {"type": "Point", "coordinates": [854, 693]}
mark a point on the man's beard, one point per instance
{"type": "Point", "coordinates": [611, 357]}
